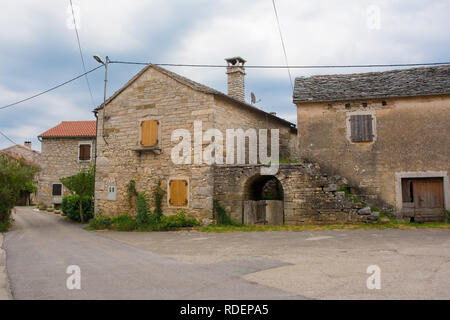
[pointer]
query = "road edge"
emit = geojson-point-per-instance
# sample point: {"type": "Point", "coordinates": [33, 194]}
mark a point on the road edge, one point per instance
{"type": "Point", "coordinates": [5, 290]}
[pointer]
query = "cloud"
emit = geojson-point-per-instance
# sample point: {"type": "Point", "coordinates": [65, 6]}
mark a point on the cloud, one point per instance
{"type": "Point", "coordinates": [38, 50]}
{"type": "Point", "coordinates": [28, 120]}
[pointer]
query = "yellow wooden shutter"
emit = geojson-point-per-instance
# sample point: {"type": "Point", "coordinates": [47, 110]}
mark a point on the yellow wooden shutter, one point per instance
{"type": "Point", "coordinates": [178, 193]}
{"type": "Point", "coordinates": [149, 133]}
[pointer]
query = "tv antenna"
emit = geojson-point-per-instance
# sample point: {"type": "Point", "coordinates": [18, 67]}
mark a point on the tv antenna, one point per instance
{"type": "Point", "coordinates": [253, 97]}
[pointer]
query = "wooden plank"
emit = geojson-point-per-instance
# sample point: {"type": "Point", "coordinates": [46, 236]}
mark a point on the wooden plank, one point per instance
{"type": "Point", "coordinates": [178, 193]}
{"type": "Point", "coordinates": [250, 212]}
{"type": "Point", "coordinates": [85, 152]}
{"type": "Point", "coordinates": [361, 128]}
{"type": "Point", "coordinates": [428, 199]}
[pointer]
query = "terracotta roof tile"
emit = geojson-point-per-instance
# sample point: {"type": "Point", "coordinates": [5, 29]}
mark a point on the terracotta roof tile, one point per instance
{"type": "Point", "coordinates": [72, 129]}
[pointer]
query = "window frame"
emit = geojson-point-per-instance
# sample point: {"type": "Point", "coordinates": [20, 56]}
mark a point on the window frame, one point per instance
{"type": "Point", "coordinates": [188, 197]}
{"type": "Point", "coordinates": [348, 121]}
{"type": "Point", "coordinates": [57, 195]}
{"type": "Point", "coordinates": [80, 143]}
{"type": "Point", "coordinates": [158, 144]}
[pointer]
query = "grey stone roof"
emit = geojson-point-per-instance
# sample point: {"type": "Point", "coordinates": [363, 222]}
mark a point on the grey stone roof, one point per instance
{"type": "Point", "coordinates": [394, 83]}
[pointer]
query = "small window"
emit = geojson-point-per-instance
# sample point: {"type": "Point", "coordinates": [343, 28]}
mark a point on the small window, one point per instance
{"type": "Point", "coordinates": [84, 152]}
{"type": "Point", "coordinates": [361, 128]}
{"type": "Point", "coordinates": [149, 133]}
{"type": "Point", "coordinates": [57, 189]}
{"type": "Point", "coordinates": [178, 193]}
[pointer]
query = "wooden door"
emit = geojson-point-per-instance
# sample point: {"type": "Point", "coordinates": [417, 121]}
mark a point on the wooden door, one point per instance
{"type": "Point", "coordinates": [254, 212]}
{"type": "Point", "coordinates": [428, 199]}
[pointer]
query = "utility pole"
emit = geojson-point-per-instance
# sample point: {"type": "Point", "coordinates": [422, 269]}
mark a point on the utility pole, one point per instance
{"type": "Point", "coordinates": [98, 59]}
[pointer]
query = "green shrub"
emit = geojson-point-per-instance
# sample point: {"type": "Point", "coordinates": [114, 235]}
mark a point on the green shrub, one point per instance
{"type": "Point", "coordinates": [142, 208]}
{"type": "Point", "coordinates": [124, 222]}
{"type": "Point", "coordinates": [221, 215]}
{"type": "Point", "coordinates": [158, 195]}
{"type": "Point", "coordinates": [82, 184]}
{"type": "Point", "coordinates": [132, 192]}
{"type": "Point", "coordinates": [15, 176]}
{"type": "Point", "coordinates": [176, 221]}
{"type": "Point", "coordinates": [100, 223]}
{"type": "Point", "coordinates": [70, 207]}
{"type": "Point", "coordinates": [4, 226]}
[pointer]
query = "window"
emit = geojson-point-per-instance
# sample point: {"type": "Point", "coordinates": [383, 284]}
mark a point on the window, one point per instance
{"type": "Point", "coordinates": [178, 193]}
{"type": "Point", "coordinates": [57, 189]}
{"type": "Point", "coordinates": [361, 128]}
{"type": "Point", "coordinates": [149, 133]}
{"type": "Point", "coordinates": [84, 153]}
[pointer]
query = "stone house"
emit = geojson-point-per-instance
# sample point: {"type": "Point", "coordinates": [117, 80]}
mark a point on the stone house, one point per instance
{"type": "Point", "coordinates": [387, 132]}
{"type": "Point", "coordinates": [31, 157]}
{"type": "Point", "coordinates": [137, 138]}
{"type": "Point", "coordinates": [65, 150]}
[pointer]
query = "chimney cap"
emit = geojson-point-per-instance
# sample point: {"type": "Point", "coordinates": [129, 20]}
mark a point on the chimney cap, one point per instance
{"type": "Point", "coordinates": [235, 61]}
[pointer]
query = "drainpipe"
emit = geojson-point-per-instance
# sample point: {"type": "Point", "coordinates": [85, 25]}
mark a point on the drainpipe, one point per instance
{"type": "Point", "coordinates": [95, 157]}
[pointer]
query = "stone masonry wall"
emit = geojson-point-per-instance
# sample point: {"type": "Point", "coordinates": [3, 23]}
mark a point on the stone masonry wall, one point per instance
{"type": "Point", "coordinates": [246, 119]}
{"type": "Point", "coordinates": [59, 159]}
{"type": "Point", "coordinates": [309, 197]}
{"type": "Point", "coordinates": [153, 96]}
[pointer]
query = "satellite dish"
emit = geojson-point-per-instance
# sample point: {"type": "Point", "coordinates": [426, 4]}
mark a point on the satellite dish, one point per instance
{"type": "Point", "coordinates": [253, 97]}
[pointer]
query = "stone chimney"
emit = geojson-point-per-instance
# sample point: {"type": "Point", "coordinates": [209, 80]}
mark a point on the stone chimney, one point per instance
{"type": "Point", "coordinates": [236, 78]}
{"type": "Point", "coordinates": [27, 144]}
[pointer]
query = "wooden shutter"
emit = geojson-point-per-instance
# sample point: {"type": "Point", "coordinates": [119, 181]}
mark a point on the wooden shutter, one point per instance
{"type": "Point", "coordinates": [149, 133]}
{"type": "Point", "coordinates": [178, 193]}
{"type": "Point", "coordinates": [85, 152]}
{"type": "Point", "coordinates": [361, 126]}
{"type": "Point", "coordinates": [57, 190]}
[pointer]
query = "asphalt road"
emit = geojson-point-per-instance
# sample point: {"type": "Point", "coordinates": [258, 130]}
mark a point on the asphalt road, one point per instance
{"type": "Point", "coordinates": [41, 246]}
{"type": "Point", "coordinates": [414, 264]}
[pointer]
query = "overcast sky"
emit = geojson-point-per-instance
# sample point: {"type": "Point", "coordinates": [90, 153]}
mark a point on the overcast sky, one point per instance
{"type": "Point", "coordinates": [38, 49]}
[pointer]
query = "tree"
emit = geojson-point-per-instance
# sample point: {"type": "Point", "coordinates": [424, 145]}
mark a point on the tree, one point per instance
{"type": "Point", "coordinates": [15, 176]}
{"type": "Point", "coordinates": [81, 184]}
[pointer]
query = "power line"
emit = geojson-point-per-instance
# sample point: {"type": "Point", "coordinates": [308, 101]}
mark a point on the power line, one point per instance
{"type": "Point", "coordinates": [224, 66]}
{"type": "Point", "coordinates": [282, 43]}
{"type": "Point", "coordinates": [290, 67]}
{"type": "Point", "coordinates": [4, 135]}
{"type": "Point", "coordinates": [81, 54]}
{"type": "Point", "coordinates": [51, 89]}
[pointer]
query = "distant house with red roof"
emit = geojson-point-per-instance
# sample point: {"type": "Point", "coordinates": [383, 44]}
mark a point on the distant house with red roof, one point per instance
{"type": "Point", "coordinates": [66, 149]}
{"type": "Point", "coordinates": [30, 157]}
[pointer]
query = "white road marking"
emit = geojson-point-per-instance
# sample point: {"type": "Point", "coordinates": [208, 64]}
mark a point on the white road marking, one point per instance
{"type": "Point", "coordinates": [319, 238]}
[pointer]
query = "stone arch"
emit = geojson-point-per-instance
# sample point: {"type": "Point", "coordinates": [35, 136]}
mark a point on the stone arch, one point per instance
{"type": "Point", "coordinates": [263, 200]}
{"type": "Point", "coordinates": [263, 187]}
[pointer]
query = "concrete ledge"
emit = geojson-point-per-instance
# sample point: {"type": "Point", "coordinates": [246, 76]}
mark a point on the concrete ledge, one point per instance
{"type": "Point", "coordinates": [5, 292]}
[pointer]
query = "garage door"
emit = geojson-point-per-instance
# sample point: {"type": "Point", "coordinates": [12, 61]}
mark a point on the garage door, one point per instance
{"type": "Point", "coordinates": [423, 199]}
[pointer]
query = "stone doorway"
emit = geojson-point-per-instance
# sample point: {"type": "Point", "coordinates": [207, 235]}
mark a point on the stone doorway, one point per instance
{"type": "Point", "coordinates": [263, 201]}
{"type": "Point", "coordinates": [423, 199]}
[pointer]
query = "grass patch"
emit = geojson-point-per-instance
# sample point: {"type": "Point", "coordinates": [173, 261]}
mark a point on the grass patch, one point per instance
{"type": "Point", "coordinates": [363, 226]}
